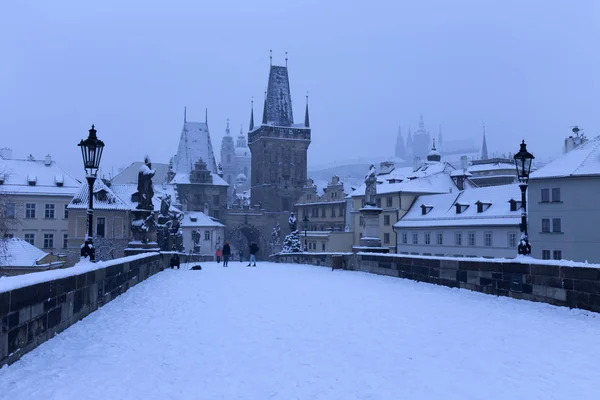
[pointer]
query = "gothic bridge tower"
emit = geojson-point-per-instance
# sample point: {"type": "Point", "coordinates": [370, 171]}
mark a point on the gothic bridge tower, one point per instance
{"type": "Point", "coordinates": [279, 148]}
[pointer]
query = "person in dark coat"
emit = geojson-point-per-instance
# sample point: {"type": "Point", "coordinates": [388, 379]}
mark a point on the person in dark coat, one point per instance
{"type": "Point", "coordinates": [226, 254]}
{"type": "Point", "coordinates": [253, 250]}
{"type": "Point", "coordinates": [174, 262]}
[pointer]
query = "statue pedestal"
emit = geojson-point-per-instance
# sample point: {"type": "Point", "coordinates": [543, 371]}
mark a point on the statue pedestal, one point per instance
{"type": "Point", "coordinates": [370, 241]}
{"type": "Point", "coordinates": [144, 233]}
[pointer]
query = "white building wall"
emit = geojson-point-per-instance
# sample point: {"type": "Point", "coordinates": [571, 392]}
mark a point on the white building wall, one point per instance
{"type": "Point", "coordinates": [500, 246]}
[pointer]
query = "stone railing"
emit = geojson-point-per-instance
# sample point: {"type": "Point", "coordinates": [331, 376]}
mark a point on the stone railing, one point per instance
{"type": "Point", "coordinates": [35, 307]}
{"type": "Point", "coordinates": [562, 283]}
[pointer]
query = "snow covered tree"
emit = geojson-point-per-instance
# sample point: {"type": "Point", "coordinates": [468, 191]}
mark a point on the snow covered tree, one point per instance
{"type": "Point", "coordinates": [291, 243]}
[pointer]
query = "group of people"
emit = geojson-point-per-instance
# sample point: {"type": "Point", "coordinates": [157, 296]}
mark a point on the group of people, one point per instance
{"type": "Point", "coordinates": [225, 252]}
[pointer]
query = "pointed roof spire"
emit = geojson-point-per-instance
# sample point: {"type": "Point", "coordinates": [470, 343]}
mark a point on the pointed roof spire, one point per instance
{"type": "Point", "coordinates": [227, 129]}
{"type": "Point", "coordinates": [400, 148]}
{"type": "Point", "coordinates": [286, 59]}
{"type": "Point", "coordinates": [251, 115]}
{"type": "Point", "coordinates": [206, 116]}
{"type": "Point", "coordinates": [409, 140]}
{"type": "Point", "coordinates": [264, 120]}
{"type": "Point", "coordinates": [270, 57]}
{"type": "Point", "coordinates": [306, 120]}
{"type": "Point", "coordinates": [434, 155]}
{"type": "Point", "coordinates": [484, 150]}
{"type": "Point", "coordinates": [184, 114]}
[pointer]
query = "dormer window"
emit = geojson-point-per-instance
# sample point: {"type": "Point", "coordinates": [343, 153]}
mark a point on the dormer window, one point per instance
{"type": "Point", "coordinates": [101, 195]}
{"type": "Point", "coordinates": [425, 208]}
{"type": "Point", "coordinates": [514, 205]}
{"type": "Point", "coordinates": [31, 180]}
{"type": "Point", "coordinates": [483, 205]}
{"type": "Point", "coordinates": [194, 219]}
{"type": "Point", "coordinates": [460, 208]}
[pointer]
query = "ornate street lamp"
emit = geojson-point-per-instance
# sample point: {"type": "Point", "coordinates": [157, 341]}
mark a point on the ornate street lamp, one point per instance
{"type": "Point", "coordinates": [91, 151]}
{"type": "Point", "coordinates": [523, 161]}
{"type": "Point", "coordinates": [305, 223]}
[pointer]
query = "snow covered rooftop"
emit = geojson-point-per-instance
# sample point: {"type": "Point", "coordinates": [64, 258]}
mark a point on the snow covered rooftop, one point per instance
{"type": "Point", "coordinates": [104, 199]}
{"type": "Point", "coordinates": [184, 178]}
{"type": "Point", "coordinates": [194, 144]}
{"type": "Point", "coordinates": [583, 160]}
{"type": "Point", "coordinates": [442, 210]}
{"type": "Point", "coordinates": [194, 219]}
{"type": "Point", "coordinates": [36, 177]}
{"type": "Point", "coordinates": [19, 253]}
{"type": "Point", "coordinates": [279, 102]}
{"type": "Point", "coordinates": [130, 174]}
{"type": "Point", "coordinates": [492, 165]}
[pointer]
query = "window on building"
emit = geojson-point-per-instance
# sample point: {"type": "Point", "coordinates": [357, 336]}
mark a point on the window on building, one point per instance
{"type": "Point", "coordinates": [512, 239]}
{"type": "Point", "coordinates": [404, 237]}
{"type": "Point", "coordinates": [557, 254]}
{"type": "Point", "coordinates": [216, 200]}
{"type": "Point", "coordinates": [65, 240]}
{"type": "Point", "coordinates": [364, 202]}
{"type": "Point", "coordinates": [49, 211]}
{"type": "Point", "coordinates": [30, 238]}
{"type": "Point", "coordinates": [415, 238]}
{"type": "Point", "coordinates": [386, 220]}
{"type": "Point", "coordinates": [66, 212]}
{"type": "Point", "coordinates": [389, 201]}
{"type": "Point", "coordinates": [378, 202]}
{"type": "Point", "coordinates": [10, 210]}
{"type": "Point", "coordinates": [545, 195]}
{"type": "Point", "coordinates": [100, 226]}
{"type": "Point", "coordinates": [556, 225]}
{"type": "Point", "coordinates": [458, 239]}
{"type": "Point", "coordinates": [545, 254]}
{"type": "Point", "coordinates": [487, 239]}
{"type": "Point", "coordinates": [322, 212]}
{"type": "Point", "coordinates": [545, 224]}
{"type": "Point", "coordinates": [9, 235]}
{"type": "Point", "coordinates": [333, 212]}
{"type": "Point", "coordinates": [555, 195]}
{"type": "Point", "coordinates": [440, 238]}
{"type": "Point", "coordinates": [361, 221]}
{"type": "Point", "coordinates": [341, 214]}
{"type": "Point", "coordinates": [30, 210]}
{"type": "Point", "coordinates": [386, 238]}
{"type": "Point", "coordinates": [471, 238]}
{"type": "Point", "coordinates": [48, 240]}
{"type": "Point", "coordinates": [207, 235]}
{"type": "Point", "coordinates": [322, 246]}
{"type": "Point", "coordinates": [427, 238]}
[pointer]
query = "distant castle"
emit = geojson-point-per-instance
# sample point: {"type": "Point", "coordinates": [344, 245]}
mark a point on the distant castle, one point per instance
{"type": "Point", "coordinates": [235, 164]}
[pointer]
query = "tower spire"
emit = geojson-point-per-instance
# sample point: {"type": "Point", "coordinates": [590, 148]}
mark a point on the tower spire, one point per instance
{"type": "Point", "coordinates": [270, 57]}
{"type": "Point", "coordinates": [306, 120]}
{"type": "Point", "coordinates": [484, 150]}
{"type": "Point", "coordinates": [251, 115]}
{"type": "Point", "coordinates": [400, 148]}
{"type": "Point", "coordinates": [227, 128]}
{"type": "Point", "coordinates": [206, 116]}
{"type": "Point", "coordinates": [184, 114]}
{"type": "Point", "coordinates": [286, 59]}
{"type": "Point", "coordinates": [264, 120]}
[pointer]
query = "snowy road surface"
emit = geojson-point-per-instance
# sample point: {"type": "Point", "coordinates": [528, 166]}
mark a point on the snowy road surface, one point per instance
{"type": "Point", "coordinates": [303, 332]}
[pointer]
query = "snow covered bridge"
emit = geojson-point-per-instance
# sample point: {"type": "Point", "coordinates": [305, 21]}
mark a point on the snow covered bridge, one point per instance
{"type": "Point", "coordinates": [286, 331]}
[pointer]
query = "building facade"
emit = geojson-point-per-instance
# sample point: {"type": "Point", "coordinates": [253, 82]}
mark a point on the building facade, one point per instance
{"type": "Point", "coordinates": [476, 222]}
{"type": "Point", "coordinates": [322, 213]}
{"type": "Point", "coordinates": [35, 194]}
{"type": "Point", "coordinates": [562, 206]}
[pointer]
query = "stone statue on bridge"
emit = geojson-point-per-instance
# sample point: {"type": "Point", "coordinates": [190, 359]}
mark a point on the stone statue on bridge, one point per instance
{"type": "Point", "coordinates": [371, 187]}
{"type": "Point", "coordinates": [144, 186]}
{"type": "Point", "coordinates": [292, 221]}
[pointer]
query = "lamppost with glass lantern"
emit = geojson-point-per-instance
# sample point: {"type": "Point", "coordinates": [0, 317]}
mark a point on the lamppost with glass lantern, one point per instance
{"type": "Point", "coordinates": [91, 151]}
{"type": "Point", "coordinates": [305, 223]}
{"type": "Point", "coordinates": [523, 161]}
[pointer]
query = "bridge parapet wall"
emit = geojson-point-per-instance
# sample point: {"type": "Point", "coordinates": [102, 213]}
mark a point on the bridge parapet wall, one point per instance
{"type": "Point", "coordinates": [561, 283]}
{"type": "Point", "coordinates": [37, 306]}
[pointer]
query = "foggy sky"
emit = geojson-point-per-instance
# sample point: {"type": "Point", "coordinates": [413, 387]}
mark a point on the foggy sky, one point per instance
{"type": "Point", "coordinates": [527, 69]}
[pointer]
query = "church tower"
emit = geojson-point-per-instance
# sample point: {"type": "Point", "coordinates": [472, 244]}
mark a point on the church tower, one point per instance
{"type": "Point", "coordinates": [228, 160]}
{"type": "Point", "coordinates": [400, 149]}
{"type": "Point", "coordinates": [484, 150]}
{"type": "Point", "coordinates": [279, 148]}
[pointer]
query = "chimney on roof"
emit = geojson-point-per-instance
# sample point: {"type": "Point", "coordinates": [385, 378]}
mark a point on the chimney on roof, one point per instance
{"type": "Point", "coordinates": [464, 163]}
{"type": "Point", "coordinates": [48, 160]}
{"type": "Point", "coordinates": [6, 153]}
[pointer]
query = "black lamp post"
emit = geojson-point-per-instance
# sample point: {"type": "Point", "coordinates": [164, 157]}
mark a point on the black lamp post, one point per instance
{"type": "Point", "coordinates": [523, 161]}
{"type": "Point", "coordinates": [91, 151]}
{"type": "Point", "coordinates": [305, 223]}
